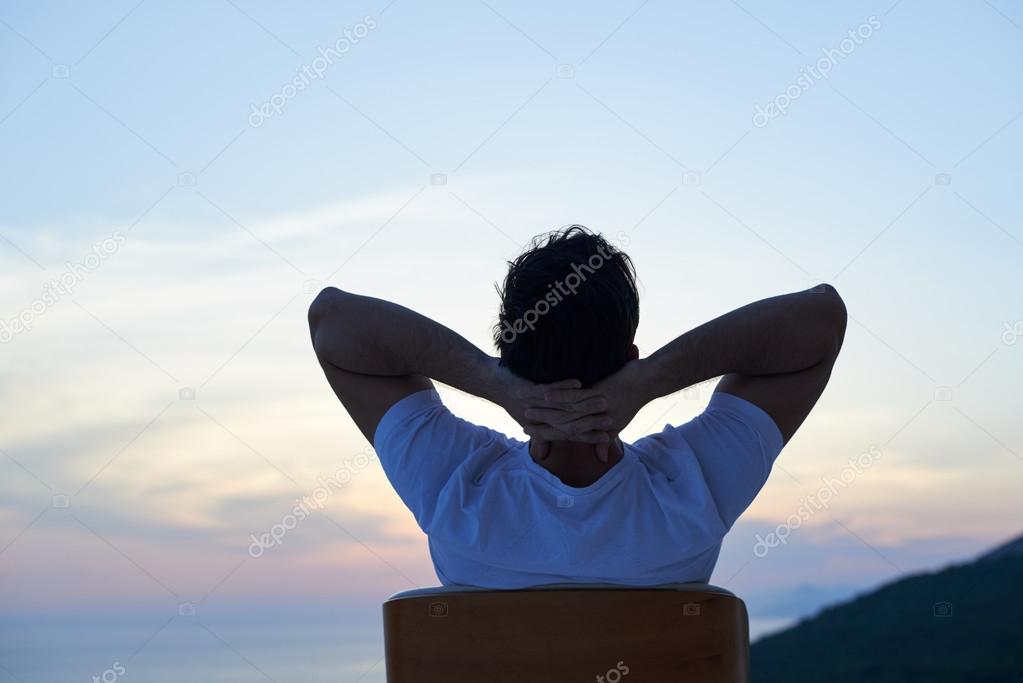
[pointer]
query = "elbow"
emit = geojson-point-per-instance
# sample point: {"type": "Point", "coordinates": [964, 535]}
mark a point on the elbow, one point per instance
{"type": "Point", "coordinates": [324, 307]}
{"type": "Point", "coordinates": [832, 316]}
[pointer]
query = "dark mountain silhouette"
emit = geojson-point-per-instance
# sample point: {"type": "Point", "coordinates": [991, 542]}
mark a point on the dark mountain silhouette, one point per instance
{"type": "Point", "coordinates": [963, 623]}
{"type": "Point", "coordinates": [1013, 547]}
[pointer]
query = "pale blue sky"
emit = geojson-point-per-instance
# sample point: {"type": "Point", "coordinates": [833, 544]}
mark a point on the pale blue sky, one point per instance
{"type": "Point", "coordinates": [896, 179]}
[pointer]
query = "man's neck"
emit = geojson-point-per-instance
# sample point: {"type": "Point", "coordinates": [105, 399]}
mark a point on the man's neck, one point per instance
{"type": "Point", "coordinates": [576, 464]}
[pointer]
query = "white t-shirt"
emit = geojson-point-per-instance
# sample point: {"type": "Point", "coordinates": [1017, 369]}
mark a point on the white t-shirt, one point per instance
{"type": "Point", "coordinates": [497, 519]}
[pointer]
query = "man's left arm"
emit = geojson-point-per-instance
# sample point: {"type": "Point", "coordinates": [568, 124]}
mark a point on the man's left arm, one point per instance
{"type": "Point", "coordinates": [375, 353]}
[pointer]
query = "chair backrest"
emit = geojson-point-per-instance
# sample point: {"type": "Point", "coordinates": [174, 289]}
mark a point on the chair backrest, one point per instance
{"type": "Point", "coordinates": [603, 633]}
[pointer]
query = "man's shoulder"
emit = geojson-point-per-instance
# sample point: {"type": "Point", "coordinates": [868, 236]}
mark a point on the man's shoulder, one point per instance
{"type": "Point", "coordinates": [425, 417]}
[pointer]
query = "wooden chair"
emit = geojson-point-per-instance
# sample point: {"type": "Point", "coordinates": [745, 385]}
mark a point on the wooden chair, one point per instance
{"type": "Point", "coordinates": [603, 633]}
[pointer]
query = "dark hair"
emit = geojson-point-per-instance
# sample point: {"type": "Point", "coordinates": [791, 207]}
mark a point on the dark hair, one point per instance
{"type": "Point", "coordinates": [569, 309]}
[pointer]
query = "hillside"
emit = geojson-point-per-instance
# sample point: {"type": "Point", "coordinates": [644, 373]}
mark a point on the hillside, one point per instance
{"type": "Point", "coordinates": [963, 623]}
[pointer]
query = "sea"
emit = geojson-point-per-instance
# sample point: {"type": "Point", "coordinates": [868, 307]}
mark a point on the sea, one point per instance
{"type": "Point", "coordinates": [192, 648]}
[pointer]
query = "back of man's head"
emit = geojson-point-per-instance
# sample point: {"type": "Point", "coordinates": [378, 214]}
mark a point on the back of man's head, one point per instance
{"type": "Point", "coordinates": [569, 309]}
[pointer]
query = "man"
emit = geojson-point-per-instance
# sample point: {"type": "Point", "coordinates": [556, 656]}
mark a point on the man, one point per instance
{"type": "Point", "coordinates": [575, 504]}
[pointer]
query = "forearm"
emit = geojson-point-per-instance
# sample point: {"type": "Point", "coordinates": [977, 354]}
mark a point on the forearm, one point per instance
{"type": "Point", "coordinates": [781, 334]}
{"type": "Point", "coordinates": [376, 337]}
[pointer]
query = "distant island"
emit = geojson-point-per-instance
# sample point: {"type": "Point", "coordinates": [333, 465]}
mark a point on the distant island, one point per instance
{"type": "Point", "coordinates": [960, 624]}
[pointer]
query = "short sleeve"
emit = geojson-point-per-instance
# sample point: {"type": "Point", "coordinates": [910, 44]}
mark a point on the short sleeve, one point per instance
{"type": "Point", "coordinates": [420, 445]}
{"type": "Point", "coordinates": [736, 444]}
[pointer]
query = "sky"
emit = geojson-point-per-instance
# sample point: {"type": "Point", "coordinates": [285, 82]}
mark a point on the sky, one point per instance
{"type": "Point", "coordinates": [182, 178]}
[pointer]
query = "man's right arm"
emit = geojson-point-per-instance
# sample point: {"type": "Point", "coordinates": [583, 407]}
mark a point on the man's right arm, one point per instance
{"type": "Point", "coordinates": [776, 353]}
